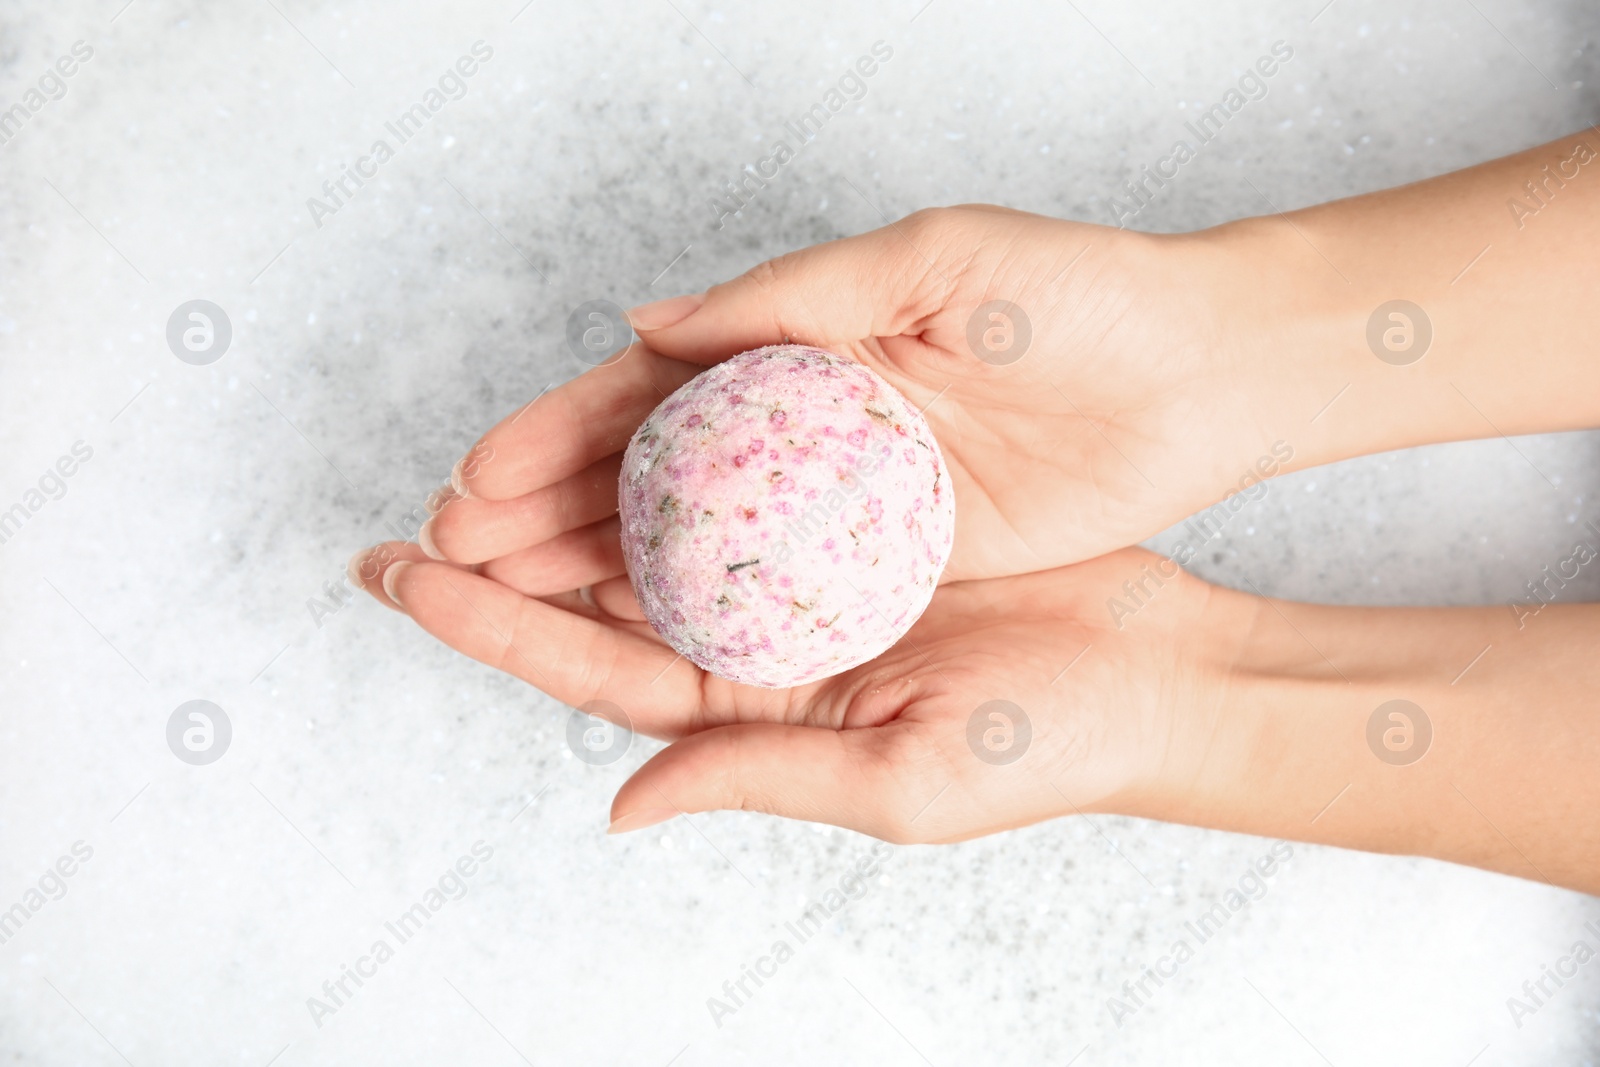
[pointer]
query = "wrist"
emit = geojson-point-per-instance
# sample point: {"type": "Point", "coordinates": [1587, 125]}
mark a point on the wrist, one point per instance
{"type": "Point", "coordinates": [1276, 722]}
{"type": "Point", "coordinates": [1213, 738]}
{"type": "Point", "coordinates": [1384, 321]}
{"type": "Point", "coordinates": [1291, 332]}
{"type": "Point", "coordinates": [1462, 734]}
{"type": "Point", "coordinates": [1190, 739]}
{"type": "Point", "coordinates": [1298, 736]}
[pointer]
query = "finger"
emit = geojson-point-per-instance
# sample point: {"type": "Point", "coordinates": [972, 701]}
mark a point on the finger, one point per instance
{"type": "Point", "coordinates": [873, 285]}
{"type": "Point", "coordinates": [562, 431]}
{"type": "Point", "coordinates": [572, 658]}
{"type": "Point", "coordinates": [366, 568]}
{"type": "Point", "coordinates": [799, 772]}
{"type": "Point", "coordinates": [585, 556]}
{"type": "Point", "coordinates": [469, 530]}
{"type": "Point", "coordinates": [615, 597]}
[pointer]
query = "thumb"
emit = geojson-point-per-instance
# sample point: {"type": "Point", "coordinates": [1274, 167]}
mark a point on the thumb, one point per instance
{"type": "Point", "coordinates": [875, 284]}
{"type": "Point", "coordinates": [800, 772]}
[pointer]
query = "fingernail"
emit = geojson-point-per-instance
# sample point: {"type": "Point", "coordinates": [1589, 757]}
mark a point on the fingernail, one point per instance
{"type": "Point", "coordinates": [353, 568]}
{"type": "Point", "coordinates": [664, 313]}
{"type": "Point", "coordinates": [586, 594]}
{"type": "Point", "coordinates": [458, 479]}
{"type": "Point", "coordinates": [638, 820]}
{"type": "Point", "coordinates": [392, 576]}
{"type": "Point", "coordinates": [425, 542]}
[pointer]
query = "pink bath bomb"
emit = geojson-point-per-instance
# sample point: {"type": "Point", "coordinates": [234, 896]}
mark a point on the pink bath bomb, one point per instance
{"type": "Point", "coordinates": [785, 516]}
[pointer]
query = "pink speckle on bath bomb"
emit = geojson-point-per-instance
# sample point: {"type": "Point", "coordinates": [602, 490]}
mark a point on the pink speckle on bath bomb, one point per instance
{"type": "Point", "coordinates": [785, 516]}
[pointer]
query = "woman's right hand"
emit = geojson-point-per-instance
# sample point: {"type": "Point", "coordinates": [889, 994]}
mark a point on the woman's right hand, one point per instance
{"type": "Point", "coordinates": [1086, 385]}
{"type": "Point", "coordinates": [1128, 379]}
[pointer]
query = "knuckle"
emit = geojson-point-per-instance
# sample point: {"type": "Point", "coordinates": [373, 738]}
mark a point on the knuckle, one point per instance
{"type": "Point", "coordinates": [928, 222]}
{"type": "Point", "coordinates": [769, 276]}
{"type": "Point", "coordinates": [912, 769]}
{"type": "Point", "coordinates": [925, 237]}
{"type": "Point", "coordinates": [565, 498]}
{"type": "Point", "coordinates": [736, 781]}
{"type": "Point", "coordinates": [539, 514]}
{"type": "Point", "coordinates": [772, 285]}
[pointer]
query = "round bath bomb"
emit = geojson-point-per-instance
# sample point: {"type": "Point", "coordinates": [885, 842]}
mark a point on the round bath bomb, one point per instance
{"type": "Point", "coordinates": [785, 516]}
